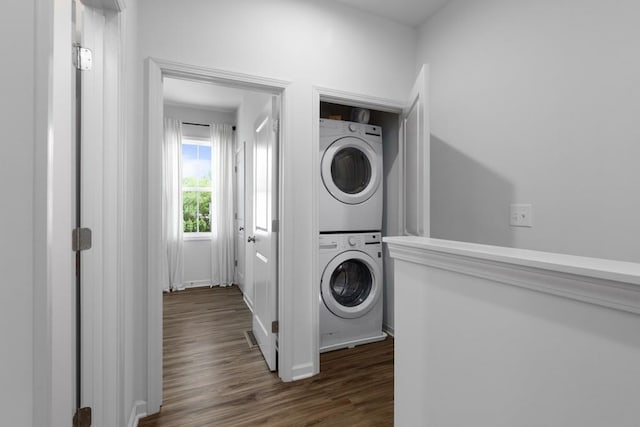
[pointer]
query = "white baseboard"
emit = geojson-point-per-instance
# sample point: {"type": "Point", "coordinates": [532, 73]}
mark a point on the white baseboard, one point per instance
{"type": "Point", "coordinates": [196, 284]}
{"type": "Point", "coordinates": [301, 372]}
{"type": "Point", "coordinates": [138, 411]}
{"type": "Point", "coordinates": [247, 302]}
{"type": "Point", "coordinates": [389, 330]}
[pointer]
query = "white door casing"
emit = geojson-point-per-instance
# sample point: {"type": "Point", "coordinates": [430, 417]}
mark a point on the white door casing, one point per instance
{"type": "Point", "coordinates": [415, 184]}
{"type": "Point", "coordinates": [156, 69]}
{"type": "Point", "coordinates": [264, 238]}
{"type": "Point", "coordinates": [54, 341]}
{"type": "Point", "coordinates": [90, 26]}
{"type": "Point", "coordinates": [239, 222]}
{"type": "Point", "coordinates": [416, 135]}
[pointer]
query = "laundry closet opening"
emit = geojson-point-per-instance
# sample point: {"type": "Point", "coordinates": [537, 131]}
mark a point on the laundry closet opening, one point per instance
{"type": "Point", "coordinates": [359, 201]}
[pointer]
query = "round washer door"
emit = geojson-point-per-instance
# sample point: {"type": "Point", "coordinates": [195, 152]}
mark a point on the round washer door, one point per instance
{"type": "Point", "coordinates": [351, 170]}
{"type": "Point", "coordinates": [351, 284]}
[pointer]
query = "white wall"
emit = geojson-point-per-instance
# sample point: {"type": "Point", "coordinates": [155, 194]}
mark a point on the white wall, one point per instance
{"type": "Point", "coordinates": [197, 253]}
{"type": "Point", "coordinates": [536, 102]}
{"type": "Point", "coordinates": [17, 114]}
{"type": "Point", "coordinates": [194, 114]}
{"type": "Point", "coordinates": [197, 262]}
{"type": "Point", "coordinates": [307, 43]}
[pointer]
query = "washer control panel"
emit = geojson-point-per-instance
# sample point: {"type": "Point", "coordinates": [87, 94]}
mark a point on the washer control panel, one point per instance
{"type": "Point", "coordinates": [341, 242]}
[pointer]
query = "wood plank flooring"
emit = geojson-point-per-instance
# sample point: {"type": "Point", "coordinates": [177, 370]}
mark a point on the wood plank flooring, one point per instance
{"type": "Point", "coordinates": [213, 378]}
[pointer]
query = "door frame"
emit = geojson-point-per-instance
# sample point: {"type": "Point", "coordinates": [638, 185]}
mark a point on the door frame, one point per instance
{"type": "Point", "coordinates": [325, 94]}
{"type": "Point", "coordinates": [54, 294]}
{"type": "Point", "coordinates": [156, 70]}
{"type": "Point", "coordinates": [53, 309]}
{"type": "Point", "coordinates": [240, 147]}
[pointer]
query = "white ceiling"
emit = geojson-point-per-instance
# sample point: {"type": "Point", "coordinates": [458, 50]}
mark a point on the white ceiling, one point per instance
{"type": "Point", "coordinates": [408, 12]}
{"type": "Point", "coordinates": [202, 95]}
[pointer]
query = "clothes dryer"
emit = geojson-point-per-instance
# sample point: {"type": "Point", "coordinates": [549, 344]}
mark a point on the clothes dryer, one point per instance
{"type": "Point", "coordinates": [350, 290]}
{"type": "Point", "coordinates": [351, 184]}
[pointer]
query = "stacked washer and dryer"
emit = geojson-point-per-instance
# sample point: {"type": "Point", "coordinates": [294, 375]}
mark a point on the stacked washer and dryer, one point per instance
{"type": "Point", "coordinates": [350, 217]}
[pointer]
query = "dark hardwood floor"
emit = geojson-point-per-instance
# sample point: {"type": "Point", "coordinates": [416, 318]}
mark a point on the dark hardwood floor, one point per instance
{"type": "Point", "coordinates": [213, 378]}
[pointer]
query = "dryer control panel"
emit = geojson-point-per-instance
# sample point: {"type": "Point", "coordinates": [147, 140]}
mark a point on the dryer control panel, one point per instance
{"type": "Point", "coordinates": [351, 128]}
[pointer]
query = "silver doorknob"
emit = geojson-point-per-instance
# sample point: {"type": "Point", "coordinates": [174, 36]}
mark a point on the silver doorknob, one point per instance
{"type": "Point", "coordinates": [251, 239]}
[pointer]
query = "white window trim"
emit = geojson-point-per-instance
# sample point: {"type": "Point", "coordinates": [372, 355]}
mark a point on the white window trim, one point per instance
{"type": "Point", "coordinates": [196, 140]}
{"type": "Point", "coordinates": [197, 236]}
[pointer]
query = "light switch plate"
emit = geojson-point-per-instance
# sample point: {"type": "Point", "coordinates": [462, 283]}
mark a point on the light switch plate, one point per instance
{"type": "Point", "coordinates": [521, 215]}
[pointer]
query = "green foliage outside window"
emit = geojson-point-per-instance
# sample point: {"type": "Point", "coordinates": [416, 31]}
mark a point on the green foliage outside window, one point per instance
{"type": "Point", "coordinates": [196, 210]}
{"type": "Point", "coordinates": [196, 187]}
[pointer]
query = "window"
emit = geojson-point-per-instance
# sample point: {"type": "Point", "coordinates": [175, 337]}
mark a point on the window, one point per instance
{"type": "Point", "coordinates": [196, 186]}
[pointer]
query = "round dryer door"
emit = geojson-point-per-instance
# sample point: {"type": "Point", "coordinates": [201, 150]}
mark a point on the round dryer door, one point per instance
{"type": "Point", "coordinates": [351, 284]}
{"type": "Point", "coordinates": [351, 170]}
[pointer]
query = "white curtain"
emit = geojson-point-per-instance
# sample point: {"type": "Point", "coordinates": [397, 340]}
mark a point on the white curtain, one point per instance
{"type": "Point", "coordinates": [222, 228]}
{"type": "Point", "coordinates": [172, 238]}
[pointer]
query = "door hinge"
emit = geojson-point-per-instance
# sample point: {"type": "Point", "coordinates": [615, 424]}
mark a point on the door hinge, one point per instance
{"type": "Point", "coordinates": [235, 169]}
{"type": "Point", "coordinates": [82, 417]}
{"type": "Point", "coordinates": [275, 327]}
{"type": "Point", "coordinates": [275, 226]}
{"type": "Point", "coordinates": [276, 125]}
{"type": "Point", "coordinates": [82, 58]}
{"type": "Point", "coordinates": [235, 263]}
{"type": "Point", "coordinates": [81, 239]}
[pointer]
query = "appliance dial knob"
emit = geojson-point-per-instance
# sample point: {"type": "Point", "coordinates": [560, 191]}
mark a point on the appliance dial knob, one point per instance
{"type": "Point", "coordinates": [352, 241]}
{"type": "Point", "coordinates": [353, 127]}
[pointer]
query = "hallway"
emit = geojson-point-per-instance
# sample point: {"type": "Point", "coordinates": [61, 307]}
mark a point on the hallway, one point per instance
{"type": "Point", "coordinates": [213, 378]}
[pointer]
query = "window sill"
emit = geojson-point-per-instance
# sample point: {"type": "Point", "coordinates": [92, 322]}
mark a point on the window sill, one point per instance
{"type": "Point", "coordinates": [187, 237]}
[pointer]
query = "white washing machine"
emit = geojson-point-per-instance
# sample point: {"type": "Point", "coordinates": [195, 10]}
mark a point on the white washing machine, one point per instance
{"type": "Point", "coordinates": [350, 290]}
{"type": "Point", "coordinates": [351, 171]}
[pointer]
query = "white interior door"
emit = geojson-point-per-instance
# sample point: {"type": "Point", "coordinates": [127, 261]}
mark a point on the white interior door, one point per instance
{"type": "Point", "coordinates": [264, 231]}
{"type": "Point", "coordinates": [239, 193]}
{"type": "Point", "coordinates": [415, 185]}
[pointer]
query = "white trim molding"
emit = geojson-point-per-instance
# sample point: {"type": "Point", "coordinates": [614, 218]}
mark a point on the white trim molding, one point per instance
{"type": "Point", "coordinates": [247, 302]}
{"type": "Point", "coordinates": [138, 412]}
{"type": "Point", "coordinates": [112, 5]}
{"type": "Point", "coordinates": [359, 100]}
{"type": "Point", "coordinates": [388, 329]}
{"type": "Point", "coordinates": [300, 372]}
{"type": "Point", "coordinates": [196, 284]}
{"type": "Point", "coordinates": [228, 78]}
{"type": "Point", "coordinates": [606, 283]}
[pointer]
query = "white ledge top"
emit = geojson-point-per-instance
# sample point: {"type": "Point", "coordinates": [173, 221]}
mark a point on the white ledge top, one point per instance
{"type": "Point", "coordinates": [619, 271]}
